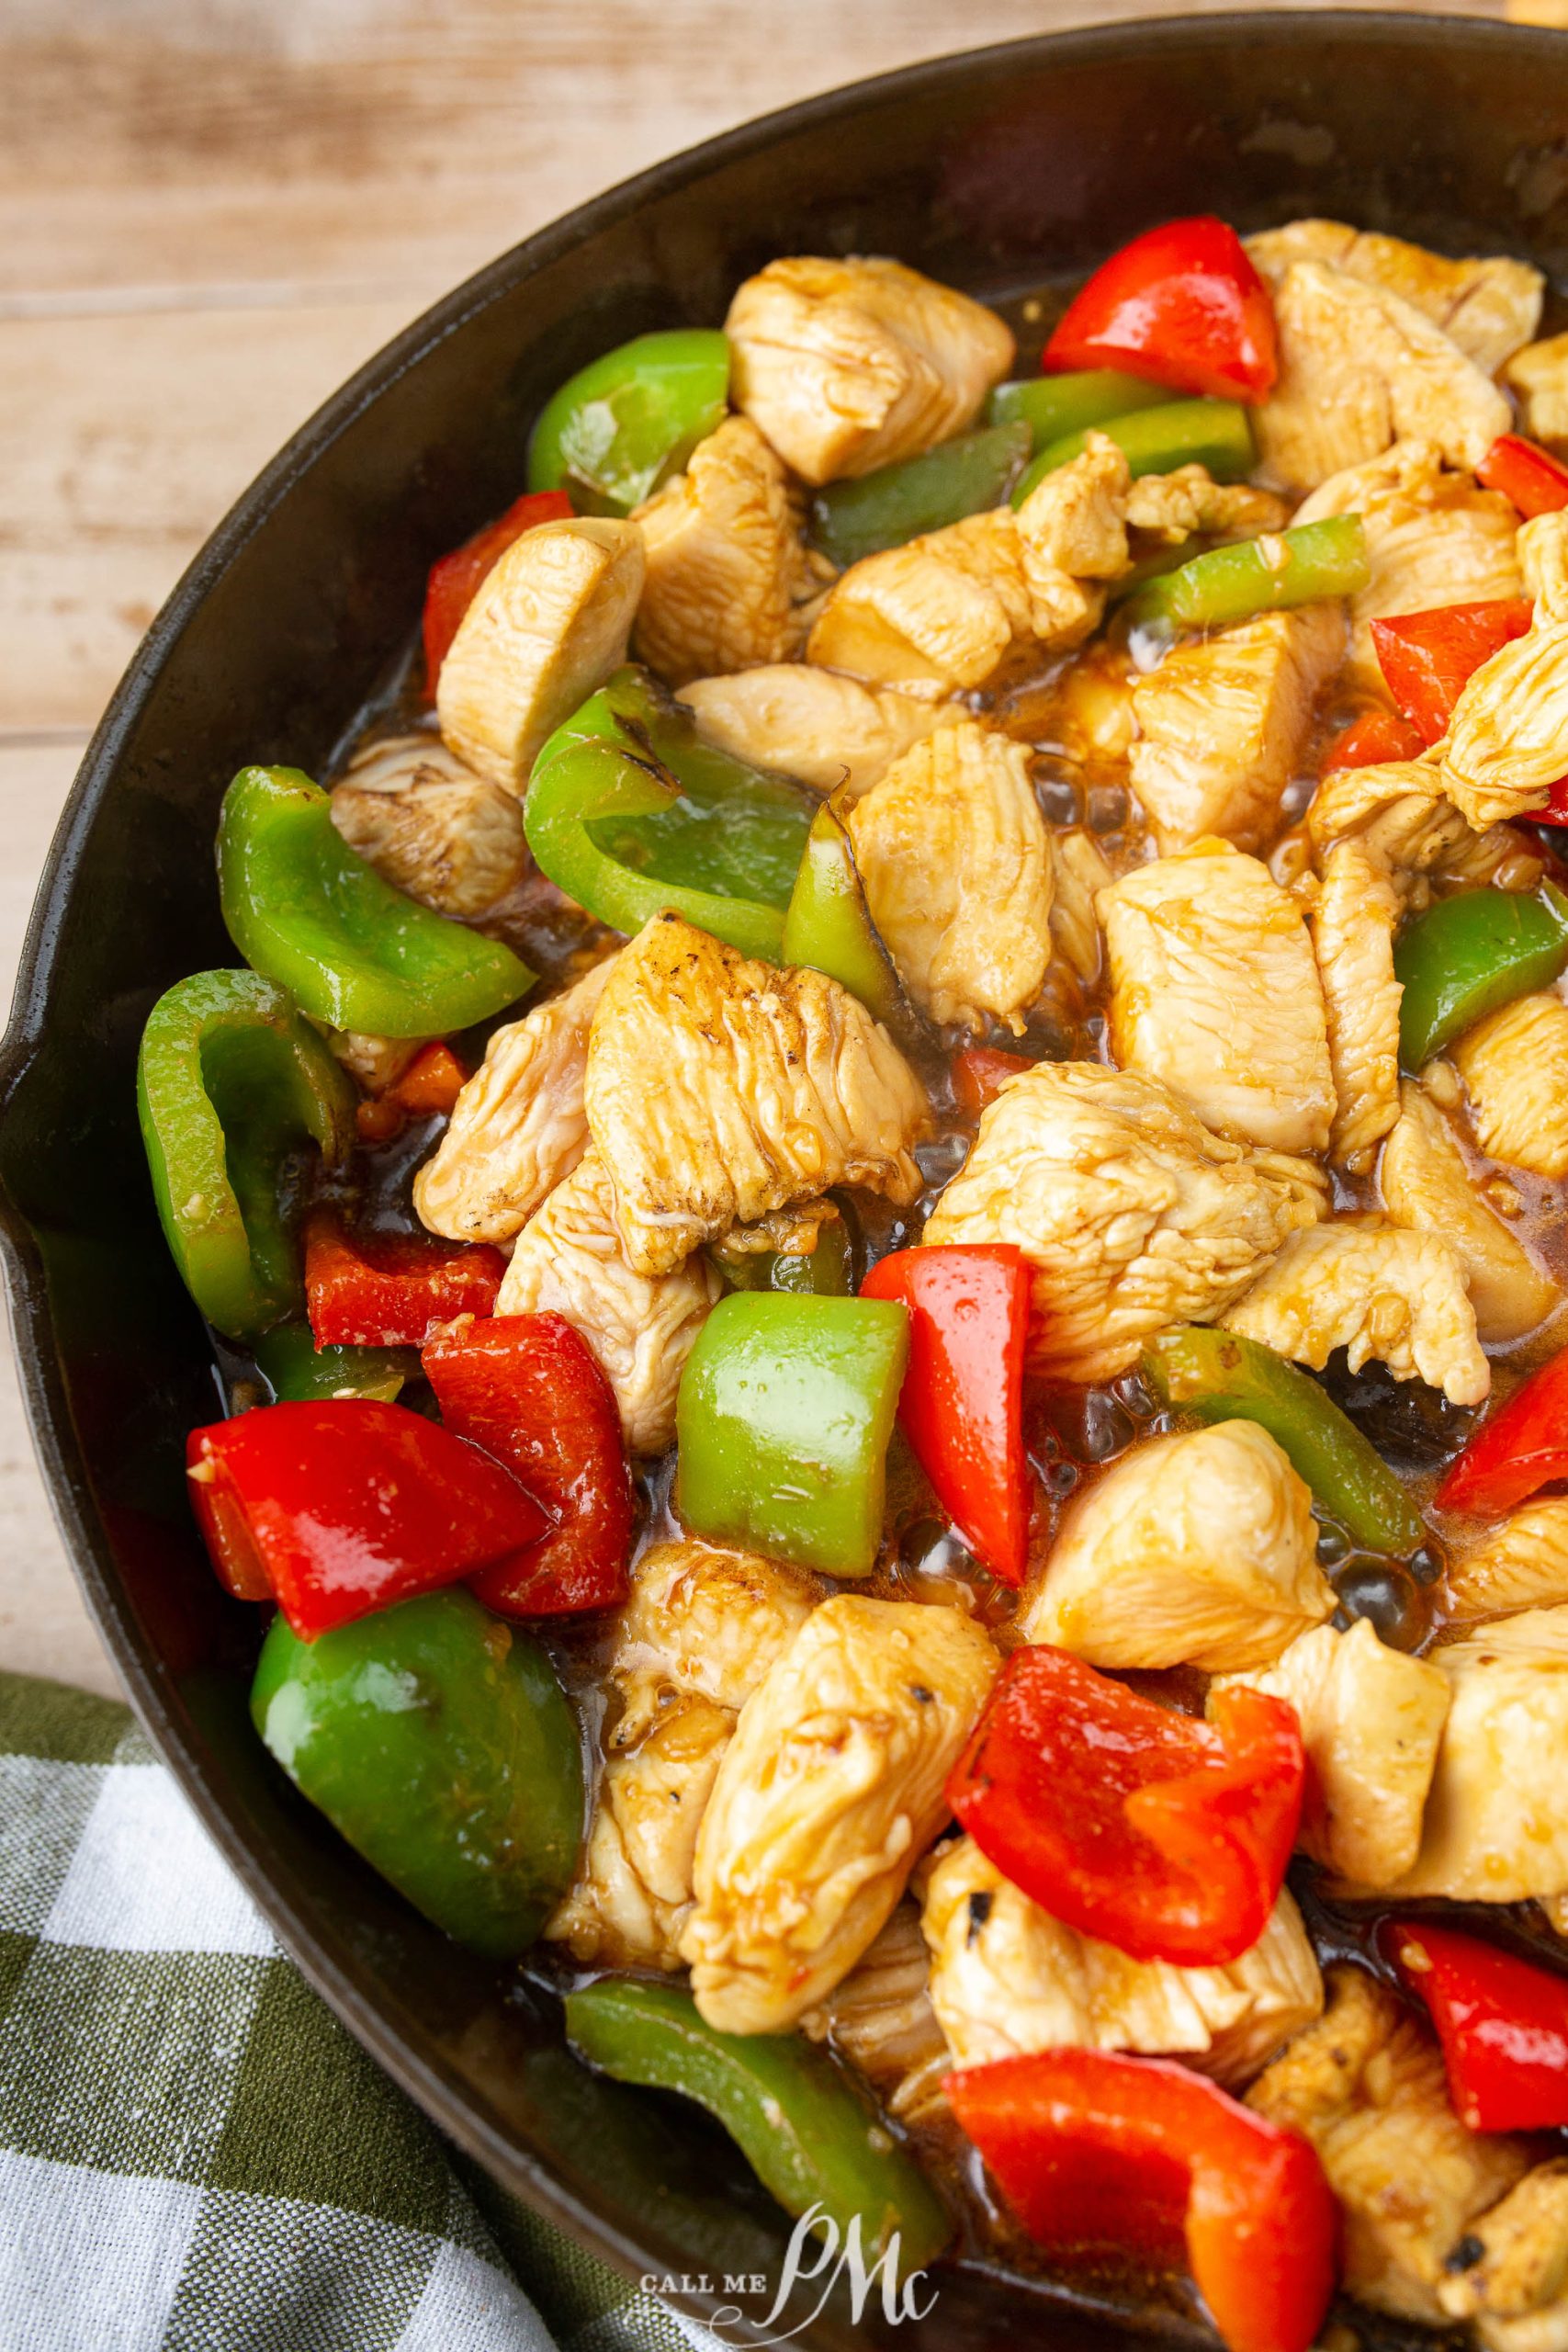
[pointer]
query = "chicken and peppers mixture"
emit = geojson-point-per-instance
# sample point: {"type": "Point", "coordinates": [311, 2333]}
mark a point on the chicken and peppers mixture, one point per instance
{"type": "Point", "coordinates": [880, 1199]}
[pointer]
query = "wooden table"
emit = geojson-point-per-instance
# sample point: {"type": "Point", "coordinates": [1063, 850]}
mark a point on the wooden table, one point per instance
{"type": "Point", "coordinates": [210, 211]}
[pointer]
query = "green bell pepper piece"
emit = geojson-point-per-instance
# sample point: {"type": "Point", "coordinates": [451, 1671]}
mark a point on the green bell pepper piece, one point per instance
{"type": "Point", "coordinates": [808, 2133]}
{"type": "Point", "coordinates": [618, 427]}
{"type": "Point", "coordinates": [1216, 434]}
{"type": "Point", "coordinates": [1463, 957]}
{"type": "Point", "coordinates": [825, 1273]}
{"type": "Point", "coordinates": [828, 924]}
{"type": "Point", "coordinates": [229, 1081]}
{"type": "Point", "coordinates": [1222, 1377]}
{"type": "Point", "coordinates": [437, 1740]}
{"type": "Point", "coordinates": [850, 519]}
{"type": "Point", "coordinates": [297, 1371]}
{"type": "Point", "coordinates": [630, 809]}
{"type": "Point", "coordinates": [358, 955]}
{"type": "Point", "coordinates": [1264, 575]}
{"type": "Point", "coordinates": [1053, 406]}
{"type": "Point", "coordinates": [786, 1409]}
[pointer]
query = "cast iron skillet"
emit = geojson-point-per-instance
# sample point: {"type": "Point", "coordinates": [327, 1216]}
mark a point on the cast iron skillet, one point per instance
{"type": "Point", "coordinates": [993, 170]}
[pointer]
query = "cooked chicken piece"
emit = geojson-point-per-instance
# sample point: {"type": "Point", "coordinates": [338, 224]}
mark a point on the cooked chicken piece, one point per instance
{"type": "Point", "coordinates": [1503, 749]}
{"type": "Point", "coordinates": [1371, 1720]}
{"type": "Point", "coordinates": [1353, 925]}
{"type": "Point", "coordinates": [1172, 507]}
{"type": "Point", "coordinates": [1523, 1563]}
{"type": "Point", "coordinates": [729, 577]}
{"type": "Point", "coordinates": [1080, 872]}
{"type": "Point", "coordinates": [956, 866]}
{"type": "Point", "coordinates": [1427, 1186]}
{"type": "Point", "coordinates": [1515, 1067]}
{"type": "Point", "coordinates": [1543, 560]}
{"type": "Point", "coordinates": [1366, 2086]}
{"type": "Point", "coordinates": [1400, 815]}
{"type": "Point", "coordinates": [1361, 368]}
{"type": "Point", "coordinates": [1539, 376]}
{"type": "Point", "coordinates": [1075, 519]}
{"type": "Point", "coordinates": [1196, 1549]}
{"type": "Point", "coordinates": [430, 826]}
{"type": "Point", "coordinates": [773, 1087]}
{"type": "Point", "coordinates": [828, 1795]}
{"type": "Point", "coordinates": [1130, 1213]}
{"type": "Point", "coordinates": [1223, 723]}
{"type": "Point", "coordinates": [881, 2016]}
{"type": "Point", "coordinates": [569, 1260]}
{"type": "Point", "coordinates": [1007, 1979]}
{"type": "Point", "coordinates": [1518, 2254]}
{"type": "Point", "coordinates": [1214, 990]}
{"type": "Point", "coordinates": [850, 365]}
{"type": "Point", "coordinates": [701, 1623]}
{"type": "Point", "coordinates": [518, 1128]}
{"type": "Point", "coordinates": [376, 1062]}
{"type": "Point", "coordinates": [811, 723]}
{"type": "Point", "coordinates": [1489, 307]}
{"type": "Point", "coordinates": [941, 613]}
{"type": "Point", "coordinates": [545, 630]}
{"type": "Point", "coordinates": [787, 1232]}
{"type": "Point", "coordinates": [1497, 1829]}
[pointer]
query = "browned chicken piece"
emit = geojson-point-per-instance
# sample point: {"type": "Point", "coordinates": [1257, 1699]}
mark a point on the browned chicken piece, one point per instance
{"type": "Point", "coordinates": [1131, 1214]}
{"type": "Point", "coordinates": [850, 365]}
{"type": "Point", "coordinates": [1539, 375]}
{"type": "Point", "coordinates": [1488, 307]}
{"type": "Point", "coordinates": [1361, 368]}
{"type": "Point", "coordinates": [787, 1232]}
{"type": "Point", "coordinates": [1370, 1720]}
{"type": "Point", "coordinates": [829, 1793]}
{"type": "Point", "coordinates": [1075, 519]}
{"type": "Point", "coordinates": [774, 1086]}
{"type": "Point", "coordinates": [729, 578]}
{"type": "Point", "coordinates": [1214, 990]}
{"type": "Point", "coordinates": [1523, 1563]}
{"type": "Point", "coordinates": [1007, 1979]}
{"type": "Point", "coordinates": [1173, 506]}
{"type": "Point", "coordinates": [1515, 1067]}
{"type": "Point", "coordinates": [569, 1260]}
{"type": "Point", "coordinates": [1366, 2086]}
{"type": "Point", "coordinates": [1197, 1549]}
{"type": "Point", "coordinates": [518, 1128]}
{"type": "Point", "coordinates": [545, 628]}
{"type": "Point", "coordinates": [958, 876]}
{"type": "Point", "coordinates": [376, 1062]}
{"type": "Point", "coordinates": [1400, 815]}
{"type": "Point", "coordinates": [941, 613]}
{"type": "Point", "coordinates": [1503, 752]}
{"type": "Point", "coordinates": [881, 2017]}
{"type": "Point", "coordinates": [430, 826]}
{"type": "Point", "coordinates": [1079, 873]}
{"type": "Point", "coordinates": [810, 723]}
{"type": "Point", "coordinates": [1516, 2266]}
{"type": "Point", "coordinates": [1223, 722]}
{"type": "Point", "coordinates": [701, 1623]}
{"type": "Point", "coordinates": [1353, 923]}
{"type": "Point", "coordinates": [1427, 1185]}
{"type": "Point", "coordinates": [1543, 560]}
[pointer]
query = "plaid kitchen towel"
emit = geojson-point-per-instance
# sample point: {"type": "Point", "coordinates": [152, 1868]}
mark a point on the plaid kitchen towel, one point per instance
{"type": "Point", "coordinates": [194, 2156]}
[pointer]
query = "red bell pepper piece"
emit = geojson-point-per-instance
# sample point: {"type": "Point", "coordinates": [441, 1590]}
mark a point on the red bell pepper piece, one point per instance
{"type": "Point", "coordinates": [1524, 472]}
{"type": "Point", "coordinates": [1164, 1835]}
{"type": "Point", "coordinates": [1098, 2152]}
{"type": "Point", "coordinates": [1427, 658]}
{"type": "Point", "coordinates": [528, 1388]}
{"type": "Point", "coordinates": [979, 1073]}
{"type": "Point", "coordinates": [430, 1085]}
{"type": "Point", "coordinates": [340, 1507]}
{"type": "Point", "coordinates": [1182, 305]}
{"type": "Point", "coordinates": [1369, 741]}
{"type": "Point", "coordinates": [961, 1406]}
{"type": "Point", "coordinates": [1523, 1446]}
{"type": "Point", "coordinates": [1503, 2025]}
{"type": "Point", "coordinates": [455, 580]}
{"type": "Point", "coordinates": [391, 1290]}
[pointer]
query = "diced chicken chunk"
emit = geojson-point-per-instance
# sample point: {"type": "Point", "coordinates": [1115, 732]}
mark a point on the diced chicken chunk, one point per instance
{"type": "Point", "coordinates": [941, 613]}
{"type": "Point", "coordinates": [1080, 872]}
{"type": "Point", "coordinates": [828, 1795]}
{"type": "Point", "coordinates": [1196, 1549]}
{"type": "Point", "coordinates": [703, 1623]}
{"type": "Point", "coordinates": [955, 859]}
{"type": "Point", "coordinates": [1516, 2261]}
{"type": "Point", "coordinates": [1539, 376]}
{"type": "Point", "coordinates": [773, 1086]}
{"type": "Point", "coordinates": [1130, 1213]}
{"type": "Point", "coordinates": [1380, 1292]}
{"type": "Point", "coordinates": [1400, 816]}
{"type": "Point", "coordinates": [518, 1128]}
{"type": "Point", "coordinates": [1075, 519]}
{"type": "Point", "coordinates": [881, 2017]}
{"type": "Point", "coordinates": [1515, 1067]}
{"type": "Point", "coordinates": [850, 365]}
{"type": "Point", "coordinates": [545, 630]}
{"type": "Point", "coordinates": [1214, 990]}
{"type": "Point", "coordinates": [1488, 307]}
{"type": "Point", "coordinates": [376, 1062]}
{"type": "Point", "coordinates": [430, 826]}
{"type": "Point", "coordinates": [1007, 1979]}
{"type": "Point", "coordinates": [809, 723]}
{"type": "Point", "coordinates": [1427, 1186]}
{"type": "Point", "coordinates": [1371, 1719]}
{"type": "Point", "coordinates": [1353, 924]}
{"type": "Point", "coordinates": [1503, 749]}
{"type": "Point", "coordinates": [569, 1260]}
{"type": "Point", "coordinates": [1173, 506]}
{"type": "Point", "coordinates": [1223, 723]}
{"type": "Point", "coordinates": [1543, 560]}
{"type": "Point", "coordinates": [1523, 1563]}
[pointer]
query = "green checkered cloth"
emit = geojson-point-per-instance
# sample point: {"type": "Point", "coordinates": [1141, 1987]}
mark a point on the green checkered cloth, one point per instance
{"type": "Point", "coordinates": [194, 2156]}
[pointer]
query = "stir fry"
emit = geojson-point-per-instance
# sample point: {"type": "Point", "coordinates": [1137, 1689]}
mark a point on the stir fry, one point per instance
{"type": "Point", "coordinates": [879, 1201]}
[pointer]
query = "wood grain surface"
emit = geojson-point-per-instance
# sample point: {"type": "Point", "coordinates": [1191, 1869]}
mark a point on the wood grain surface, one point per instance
{"type": "Point", "coordinates": [211, 211]}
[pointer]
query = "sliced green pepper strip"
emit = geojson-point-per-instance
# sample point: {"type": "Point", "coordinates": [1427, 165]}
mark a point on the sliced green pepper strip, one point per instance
{"type": "Point", "coordinates": [828, 924]}
{"type": "Point", "coordinates": [850, 519]}
{"type": "Point", "coordinates": [1270, 575]}
{"type": "Point", "coordinates": [1221, 1377]}
{"type": "Point", "coordinates": [297, 1371]}
{"type": "Point", "coordinates": [1463, 957]}
{"type": "Point", "coordinates": [807, 2131]}
{"type": "Point", "coordinates": [824, 1275]}
{"type": "Point", "coordinates": [1053, 406]}
{"type": "Point", "coordinates": [786, 1409]}
{"type": "Point", "coordinates": [1216, 434]}
{"type": "Point", "coordinates": [618, 427]}
{"type": "Point", "coordinates": [631, 811]}
{"type": "Point", "coordinates": [229, 1081]}
{"type": "Point", "coordinates": [358, 955]}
